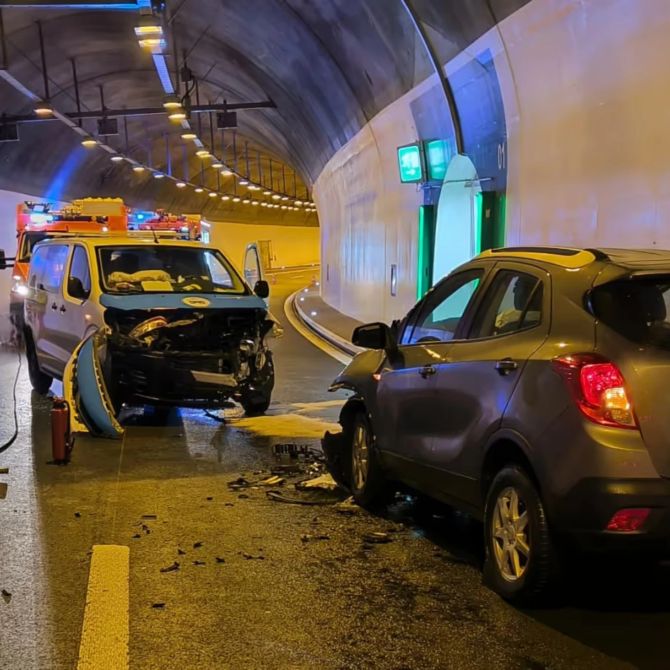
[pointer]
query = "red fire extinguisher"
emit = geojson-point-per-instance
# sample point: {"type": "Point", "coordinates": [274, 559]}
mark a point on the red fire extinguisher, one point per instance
{"type": "Point", "coordinates": [61, 438]}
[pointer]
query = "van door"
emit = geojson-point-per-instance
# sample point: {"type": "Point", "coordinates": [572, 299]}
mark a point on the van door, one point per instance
{"type": "Point", "coordinates": [50, 335]}
{"type": "Point", "coordinates": [79, 314]}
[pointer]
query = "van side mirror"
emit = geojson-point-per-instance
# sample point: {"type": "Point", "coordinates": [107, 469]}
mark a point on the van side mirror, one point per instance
{"type": "Point", "coordinates": [3, 260]}
{"type": "Point", "coordinates": [76, 289]}
{"type": "Point", "coordinates": [262, 288]}
{"type": "Point", "coordinates": [374, 336]}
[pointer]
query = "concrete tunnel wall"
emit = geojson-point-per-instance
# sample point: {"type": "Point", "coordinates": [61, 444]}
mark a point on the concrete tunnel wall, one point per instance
{"type": "Point", "coordinates": [585, 102]}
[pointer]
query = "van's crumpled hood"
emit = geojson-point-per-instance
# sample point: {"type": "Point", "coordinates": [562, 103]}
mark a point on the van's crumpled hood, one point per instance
{"type": "Point", "coordinates": [180, 301]}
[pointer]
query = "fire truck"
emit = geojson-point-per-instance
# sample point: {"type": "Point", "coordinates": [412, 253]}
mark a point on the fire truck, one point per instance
{"type": "Point", "coordinates": [187, 227]}
{"type": "Point", "coordinates": [36, 221]}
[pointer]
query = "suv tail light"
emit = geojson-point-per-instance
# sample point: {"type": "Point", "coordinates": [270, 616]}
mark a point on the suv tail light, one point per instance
{"type": "Point", "coordinates": [598, 388]}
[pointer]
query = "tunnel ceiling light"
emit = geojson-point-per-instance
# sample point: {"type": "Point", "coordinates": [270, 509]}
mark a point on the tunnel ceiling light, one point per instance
{"type": "Point", "coordinates": [89, 142]}
{"type": "Point", "coordinates": [158, 175]}
{"type": "Point", "coordinates": [244, 182]}
{"type": "Point", "coordinates": [267, 192]}
{"type": "Point", "coordinates": [202, 153]}
{"type": "Point", "coordinates": [138, 168]}
{"type": "Point", "coordinates": [276, 196]}
{"type": "Point", "coordinates": [246, 201]}
{"type": "Point", "coordinates": [283, 207]}
{"type": "Point", "coordinates": [177, 115]}
{"type": "Point", "coordinates": [43, 108]}
{"type": "Point", "coordinates": [189, 136]}
{"type": "Point", "coordinates": [298, 202]}
{"type": "Point", "coordinates": [172, 102]}
{"type": "Point", "coordinates": [153, 44]}
{"type": "Point", "coordinates": [116, 158]}
{"type": "Point", "coordinates": [285, 198]}
{"type": "Point", "coordinates": [226, 173]}
{"type": "Point", "coordinates": [216, 165]}
{"type": "Point", "coordinates": [225, 198]}
{"type": "Point", "coordinates": [213, 194]}
{"type": "Point", "coordinates": [199, 190]}
{"type": "Point", "coordinates": [264, 204]}
{"type": "Point", "coordinates": [254, 203]}
{"type": "Point", "coordinates": [236, 199]}
{"type": "Point", "coordinates": [149, 26]}
{"type": "Point", "coordinates": [181, 184]}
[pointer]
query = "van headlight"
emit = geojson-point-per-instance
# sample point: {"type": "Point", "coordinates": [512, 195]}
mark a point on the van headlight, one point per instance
{"type": "Point", "coordinates": [20, 287]}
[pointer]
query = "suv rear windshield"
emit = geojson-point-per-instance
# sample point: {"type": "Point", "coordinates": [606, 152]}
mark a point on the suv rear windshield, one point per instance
{"type": "Point", "coordinates": [164, 268]}
{"type": "Point", "coordinates": [636, 308]}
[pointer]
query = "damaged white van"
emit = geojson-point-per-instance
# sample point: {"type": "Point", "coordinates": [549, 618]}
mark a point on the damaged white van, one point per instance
{"type": "Point", "coordinates": [145, 321]}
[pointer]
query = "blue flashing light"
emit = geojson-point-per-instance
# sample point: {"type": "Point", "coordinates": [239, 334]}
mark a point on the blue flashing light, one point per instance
{"type": "Point", "coordinates": [57, 187]}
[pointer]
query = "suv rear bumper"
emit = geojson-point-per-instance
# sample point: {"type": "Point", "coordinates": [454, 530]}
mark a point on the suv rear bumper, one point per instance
{"type": "Point", "coordinates": [583, 513]}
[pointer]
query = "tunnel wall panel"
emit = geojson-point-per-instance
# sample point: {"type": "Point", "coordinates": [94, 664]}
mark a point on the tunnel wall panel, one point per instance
{"type": "Point", "coordinates": [583, 86]}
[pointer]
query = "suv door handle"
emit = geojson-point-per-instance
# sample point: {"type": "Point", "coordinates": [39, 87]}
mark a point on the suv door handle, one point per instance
{"type": "Point", "coordinates": [427, 371]}
{"type": "Point", "coordinates": [506, 365]}
{"type": "Point", "coordinates": [54, 306]}
{"type": "Point", "coordinates": [62, 309]}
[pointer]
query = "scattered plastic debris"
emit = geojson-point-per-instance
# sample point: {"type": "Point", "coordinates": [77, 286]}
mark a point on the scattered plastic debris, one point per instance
{"type": "Point", "coordinates": [218, 559]}
{"type": "Point", "coordinates": [137, 536]}
{"type": "Point", "coordinates": [210, 498]}
{"type": "Point", "coordinates": [6, 595]}
{"type": "Point", "coordinates": [272, 481]}
{"type": "Point", "coordinates": [197, 545]}
{"type": "Point", "coordinates": [324, 482]}
{"type": "Point", "coordinates": [149, 516]}
{"type": "Point", "coordinates": [181, 552]}
{"type": "Point", "coordinates": [77, 515]}
{"type": "Point", "coordinates": [158, 606]}
{"type": "Point", "coordinates": [312, 538]}
{"type": "Point", "coordinates": [239, 483]}
{"type": "Point", "coordinates": [243, 496]}
{"type": "Point", "coordinates": [250, 557]}
{"type": "Point", "coordinates": [280, 497]}
{"type": "Point", "coordinates": [145, 529]}
{"type": "Point", "coordinates": [199, 563]}
{"type": "Point", "coordinates": [377, 538]}
{"type": "Point", "coordinates": [348, 507]}
{"type": "Point", "coordinates": [171, 568]}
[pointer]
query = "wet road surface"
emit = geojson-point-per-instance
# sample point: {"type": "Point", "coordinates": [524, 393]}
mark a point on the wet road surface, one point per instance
{"type": "Point", "coordinates": [267, 584]}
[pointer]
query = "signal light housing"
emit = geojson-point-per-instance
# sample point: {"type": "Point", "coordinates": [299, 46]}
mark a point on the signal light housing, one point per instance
{"type": "Point", "coordinates": [628, 520]}
{"type": "Point", "coordinates": [598, 388]}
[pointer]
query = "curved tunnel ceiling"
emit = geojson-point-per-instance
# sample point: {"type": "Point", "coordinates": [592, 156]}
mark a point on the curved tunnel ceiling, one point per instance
{"type": "Point", "coordinates": [329, 67]}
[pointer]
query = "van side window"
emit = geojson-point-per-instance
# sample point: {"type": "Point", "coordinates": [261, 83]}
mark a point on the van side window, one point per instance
{"type": "Point", "coordinates": [54, 270]}
{"type": "Point", "coordinates": [79, 268]}
{"type": "Point", "coordinates": [37, 266]}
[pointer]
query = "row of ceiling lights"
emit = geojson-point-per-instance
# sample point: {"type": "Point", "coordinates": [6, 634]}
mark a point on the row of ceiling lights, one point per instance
{"type": "Point", "coordinates": [150, 37]}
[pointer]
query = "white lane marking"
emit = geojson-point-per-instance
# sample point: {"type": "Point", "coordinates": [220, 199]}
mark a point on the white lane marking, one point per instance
{"type": "Point", "coordinates": [105, 632]}
{"type": "Point", "coordinates": [310, 336]}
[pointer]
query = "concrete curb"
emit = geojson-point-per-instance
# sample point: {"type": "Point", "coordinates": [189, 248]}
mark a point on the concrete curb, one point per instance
{"type": "Point", "coordinates": [328, 335]}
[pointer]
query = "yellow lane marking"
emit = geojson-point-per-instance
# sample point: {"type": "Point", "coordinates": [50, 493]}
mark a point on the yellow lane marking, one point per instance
{"type": "Point", "coordinates": [104, 636]}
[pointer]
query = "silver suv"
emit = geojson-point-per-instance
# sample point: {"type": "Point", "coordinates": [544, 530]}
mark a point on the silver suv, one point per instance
{"type": "Point", "coordinates": [530, 388]}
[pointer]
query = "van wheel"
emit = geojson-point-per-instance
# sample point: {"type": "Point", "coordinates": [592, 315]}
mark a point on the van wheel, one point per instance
{"type": "Point", "coordinates": [369, 487]}
{"type": "Point", "coordinates": [521, 562]}
{"type": "Point", "coordinates": [40, 381]}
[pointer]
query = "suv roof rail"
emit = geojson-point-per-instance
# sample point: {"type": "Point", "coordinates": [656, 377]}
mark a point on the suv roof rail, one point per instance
{"type": "Point", "coordinates": [599, 254]}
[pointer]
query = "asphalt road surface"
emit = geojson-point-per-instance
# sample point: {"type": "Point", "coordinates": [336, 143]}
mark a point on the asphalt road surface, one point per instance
{"type": "Point", "coordinates": [263, 583]}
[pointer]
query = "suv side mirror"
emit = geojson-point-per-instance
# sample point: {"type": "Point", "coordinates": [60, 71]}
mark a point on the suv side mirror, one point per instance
{"type": "Point", "coordinates": [262, 288]}
{"type": "Point", "coordinates": [76, 289]}
{"type": "Point", "coordinates": [3, 260]}
{"type": "Point", "coordinates": [374, 336]}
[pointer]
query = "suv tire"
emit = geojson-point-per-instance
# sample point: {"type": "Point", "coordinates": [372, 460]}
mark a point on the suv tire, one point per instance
{"type": "Point", "coordinates": [40, 381]}
{"type": "Point", "coordinates": [521, 563]}
{"type": "Point", "coordinates": [368, 485]}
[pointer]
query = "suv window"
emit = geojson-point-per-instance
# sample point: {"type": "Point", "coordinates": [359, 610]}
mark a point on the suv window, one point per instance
{"type": "Point", "coordinates": [54, 267]}
{"type": "Point", "coordinates": [79, 268]}
{"type": "Point", "coordinates": [438, 318]}
{"type": "Point", "coordinates": [637, 309]}
{"type": "Point", "coordinates": [512, 303]}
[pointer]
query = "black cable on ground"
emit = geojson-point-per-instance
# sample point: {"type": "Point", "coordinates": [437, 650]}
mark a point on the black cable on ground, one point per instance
{"type": "Point", "coordinates": [11, 441]}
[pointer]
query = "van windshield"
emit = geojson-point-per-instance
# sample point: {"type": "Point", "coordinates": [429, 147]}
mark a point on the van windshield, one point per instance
{"type": "Point", "coordinates": [28, 241]}
{"type": "Point", "coordinates": [164, 268]}
{"type": "Point", "coordinates": [638, 309]}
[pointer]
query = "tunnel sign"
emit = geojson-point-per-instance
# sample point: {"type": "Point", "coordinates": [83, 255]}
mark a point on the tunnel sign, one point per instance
{"type": "Point", "coordinates": [410, 163]}
{"type": "Point", "coordinates": [437, 157]}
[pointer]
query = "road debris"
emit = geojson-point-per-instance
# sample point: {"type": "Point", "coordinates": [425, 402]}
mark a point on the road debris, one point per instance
{"type": "Point", "coordinates": [197, 545]}
{"type": "Point", "coordinates": [6, 595]}
{"type": "Point", "coordinates": [243, 496]}
{"type": "Point", "coordinates": [311, 538]}
{"type": "Point", "coordinates": [239, 483]}
{"type": "Point", "coordinates": [347, 507]}
{"type": "Point", "coordinates": [137, 536]}
{"type": "Point", "coordinates": [210, 498]}
{"type": "Point", "coordinates": [377, 538]}
{"type": "Point", "coordinates": [218, 559]}
{"type": "Point", "coordinates": [146, 529]}
{"type": "Point", "coordinates": [77, 515]}
{"type": "Point", "coordinates": [4, 471]}
{"type": "Point", "coordinates": [324, 482]}
{"type": "Point", "coordinates": [158, 606]}
{"type": "Point", "coordinates": [171, 568]}
{"type": "Point", "coordinates": [199, 563]}
{"type": "Point", "coordinates": [250, 557]}
{"type": "Point", "coordinates": [280, 497]}
{"type": "Point", "coordinates": [181, 552]}
{"type": "Point", "coordinates": [149, 516]}
{"type": "Point", "coordinates": [275, 480]}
